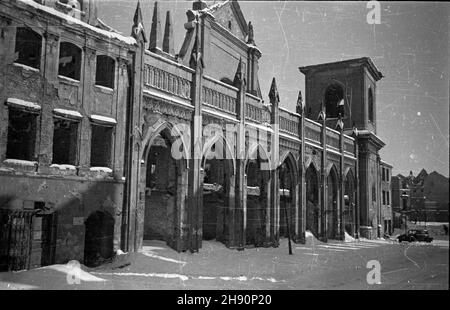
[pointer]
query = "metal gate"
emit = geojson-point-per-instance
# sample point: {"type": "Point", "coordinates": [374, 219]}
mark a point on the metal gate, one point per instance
{"type": "Point", "coordinates": [15, 239]}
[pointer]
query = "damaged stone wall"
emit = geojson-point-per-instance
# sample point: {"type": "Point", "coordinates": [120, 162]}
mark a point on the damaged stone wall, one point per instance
{"type": "Point", "coordinates": [72, 191]}
{"type": "Point", "coordinates": [71, 200]}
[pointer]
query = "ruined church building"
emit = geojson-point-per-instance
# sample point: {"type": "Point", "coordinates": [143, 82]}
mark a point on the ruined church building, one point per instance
{"type": "Point", "coordinates": [90, 121]}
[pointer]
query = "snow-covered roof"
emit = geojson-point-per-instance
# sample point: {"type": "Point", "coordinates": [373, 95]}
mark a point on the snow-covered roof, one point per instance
{"type": "Point", "coordinates": [72, 20]}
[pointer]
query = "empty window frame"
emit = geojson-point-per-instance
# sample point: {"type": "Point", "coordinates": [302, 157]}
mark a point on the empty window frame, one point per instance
{"type": "Point", "coordinates": [101, 145]}
{"type": "Point", "coordinates": [371, 105]}
{"type": "Point", "coordinates": [69, 60]}
{"type": "Point", "coordinates": [21, 139]}
{"type": "Point", "coordinates": [65, 138]}
{"type": "Point", "coordinates": [28, 47]}
{"type": "Point", "coordinates": [387, 198]}
{"type": "Point", "coordinates": [105, 71]}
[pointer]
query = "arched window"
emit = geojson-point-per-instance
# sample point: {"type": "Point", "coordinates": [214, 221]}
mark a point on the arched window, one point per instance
{"type": "Point", "coordinates": [371, 106]}
{"type": "Point", "coordinates": [28, 47]}
{"type": "Point", "coordinates": [69, 60]}
{"type": "Point", "coordinates": [333, 97]}
{"type": "Point", "coordinates": [104, 75]}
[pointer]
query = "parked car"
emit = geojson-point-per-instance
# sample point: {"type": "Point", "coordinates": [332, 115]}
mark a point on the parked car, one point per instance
{"type": "Point", "coordinates": [415, 235]}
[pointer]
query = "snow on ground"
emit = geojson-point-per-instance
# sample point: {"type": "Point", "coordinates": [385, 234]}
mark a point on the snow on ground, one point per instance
{"type": "Point", "coordinates": [349, 238]}
{"type": "Point", "coordinates": [314, 266]}
{"type": "Point", "coordinates": [310, 239]}
{"type": "Point", "coordinates": [74, 271]}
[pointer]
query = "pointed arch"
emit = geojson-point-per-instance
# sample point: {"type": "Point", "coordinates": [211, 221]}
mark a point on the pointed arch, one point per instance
{"type": "Point", "coordinates": [332, 203]}
{"type": "Point", "coordinates": [218, 179]}
{"type": "Point", "coordinates": [257, 206]}
{"type": "Point", "coordinates": [288, 176]}
{"type": "Point", "coordinates": [162, 183]}
{"type": "Point", "coordinates": [309, 162]}
{"type": "Point", "coordinates": [349, 208]}
{"type": "Point", "coordinates": [155, 130]}
{"type": "Point", "coordinates": [229, 154]}
{"type": "Point", "coordinates": [332, 168]}
{"type": "Point", "coordinates": [312, 192]}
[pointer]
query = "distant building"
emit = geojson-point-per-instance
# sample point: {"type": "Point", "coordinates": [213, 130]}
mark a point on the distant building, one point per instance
{"type": "Point", "coordinates": [386, 198]}
{"type": "Point", "coordinates": [424, 197]}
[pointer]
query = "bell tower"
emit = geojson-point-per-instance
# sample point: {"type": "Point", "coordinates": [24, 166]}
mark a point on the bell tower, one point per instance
{"type": "Point", "coordinates": [348, 89]}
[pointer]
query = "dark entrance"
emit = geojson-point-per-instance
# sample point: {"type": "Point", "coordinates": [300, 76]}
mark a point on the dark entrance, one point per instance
{"type": "Point", "coordinates": [287, 196]}
{"type": "Point", "coordinates": [312, 201]}
{"type": "Point", "coordinates": [99, 236]}
{"type": "Point", "coordinates": [332, 205]}
{"type": "Point", "coordinates": [27, 238]}
{"type": "Point", "coordinates": [216, 188]}
{"type": "Point", "coordinates": [161, 183]}
{"type": "Point", "coordinates": [349, 199]}
{"type": "Point", "coordinates": [257, 202]}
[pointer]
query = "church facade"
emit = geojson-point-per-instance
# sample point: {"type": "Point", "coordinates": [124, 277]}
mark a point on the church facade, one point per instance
{"type": "Point", "coordinates": [109, 140]}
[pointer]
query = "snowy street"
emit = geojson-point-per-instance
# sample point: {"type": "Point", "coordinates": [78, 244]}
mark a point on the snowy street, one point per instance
{"type": "Point", "coordinates": [316, 265]}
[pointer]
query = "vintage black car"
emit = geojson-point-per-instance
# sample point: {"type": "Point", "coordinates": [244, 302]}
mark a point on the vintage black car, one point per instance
{"type": "Point", "coordinates": [415, 235]}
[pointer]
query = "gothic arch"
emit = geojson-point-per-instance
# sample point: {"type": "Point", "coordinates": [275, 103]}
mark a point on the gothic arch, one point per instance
{"type": "Point", "coordinates": [332, 167]}
{"type": "Point", "coordinates": [218, 179]}
{"type": "Point", "coordinates": [162, 184]}
{"type": "Point", "coordinates": [310, 161]}
{"type": "Point", "coordinates": [333, 205]}
{"type": "Point", "coordinates": [349, 208]}
{"type": "Point", "coordinates": [228, 152]}
{"type": "Point", "coordinates": [348, 170]}
{"type": "Point", "coordinates": [289, 157]}
{"type": "Point", "coordinates": [257, 204]}
{"type": "Point", "coordinates": [288, 176]}
{"type": "Point", "coordinates": [312, 192]}
{"type": "Point", "coordinates": [252, 154]}
{"type": "Point", "coordinates": [155, 130]}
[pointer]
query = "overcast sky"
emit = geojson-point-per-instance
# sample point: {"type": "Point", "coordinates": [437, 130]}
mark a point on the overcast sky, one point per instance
{"type": "Point", "coordinates": [410, 47]}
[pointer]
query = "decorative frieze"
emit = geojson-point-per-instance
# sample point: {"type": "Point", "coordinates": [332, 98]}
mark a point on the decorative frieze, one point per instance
{"type": "Point", "coordinates": [153, 105]}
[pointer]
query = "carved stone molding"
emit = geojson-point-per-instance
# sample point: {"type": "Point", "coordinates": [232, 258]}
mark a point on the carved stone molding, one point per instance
{"type": "Point", "coordinates": [153, 105]}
